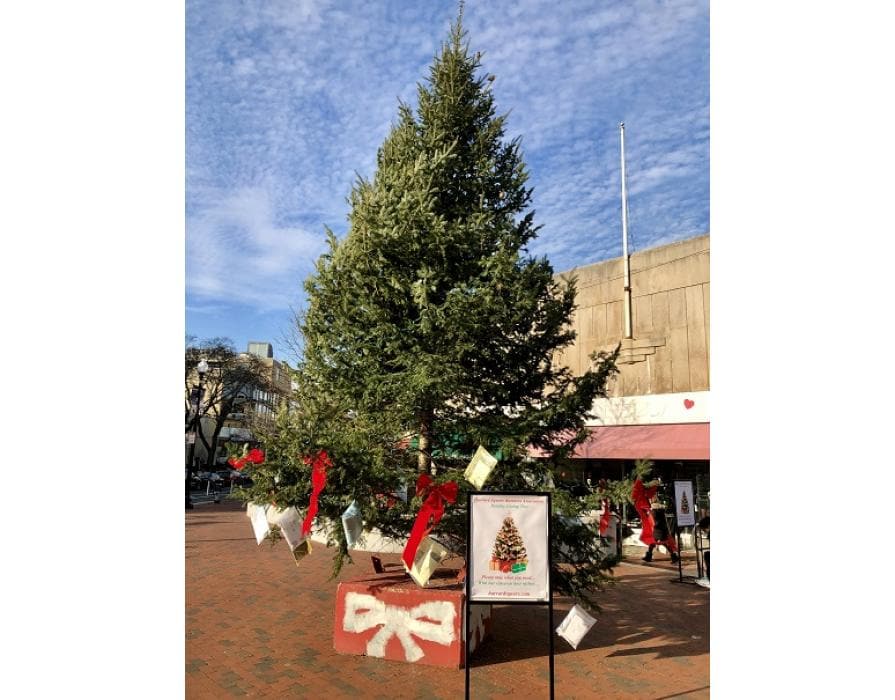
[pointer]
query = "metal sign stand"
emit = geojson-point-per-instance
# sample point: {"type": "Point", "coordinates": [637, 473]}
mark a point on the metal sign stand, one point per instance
{"type": "Point", "coordinates": [470, 574]}
{"type": "Point", "coordinates": [680, 559]}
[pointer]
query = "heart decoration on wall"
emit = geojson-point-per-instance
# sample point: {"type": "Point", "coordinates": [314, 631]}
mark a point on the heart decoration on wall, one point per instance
{"type": "Point", "coordinates": [688, 404]}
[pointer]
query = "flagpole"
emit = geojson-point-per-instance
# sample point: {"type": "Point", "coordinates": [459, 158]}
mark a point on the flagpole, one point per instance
{"type": "Point", "coordinates": [626, 258]}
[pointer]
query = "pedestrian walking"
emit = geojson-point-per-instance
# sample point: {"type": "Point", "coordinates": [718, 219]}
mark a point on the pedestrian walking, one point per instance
{"type": "Point", "coordinates": [704, 526]}
{"type": "Point", "coordinates": [653, 519]}
{"type": "Point", "coordinates": [661, 533]}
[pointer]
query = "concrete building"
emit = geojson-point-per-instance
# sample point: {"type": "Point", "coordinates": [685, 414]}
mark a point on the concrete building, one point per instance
{"type": "Point", "coordinates": [252, 405]}
{"type": "Point", "coordinates": [659, 404]}
{"type": "Point", "coordinates": [279, 376]}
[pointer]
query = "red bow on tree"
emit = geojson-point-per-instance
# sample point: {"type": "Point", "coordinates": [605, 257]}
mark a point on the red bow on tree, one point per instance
{"type": "Point", "coordinates": [255, 456]}
{"type": "Point", "coordinates": [432, 509]}
{"type": "Point", "coordinates": [319, 465]}
{"type": "Point", "coordinates": [604, 519]}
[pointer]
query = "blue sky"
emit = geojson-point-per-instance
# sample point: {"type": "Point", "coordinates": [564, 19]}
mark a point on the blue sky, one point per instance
{"type": "Point", "coordinates": [286, 100]}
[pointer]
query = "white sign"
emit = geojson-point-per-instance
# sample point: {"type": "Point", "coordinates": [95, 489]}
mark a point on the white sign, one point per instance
{"type": "Point", "coordinates": [651, 409]}
{"type": "Point", "coordinates": [685, 506]}
{"type": "Point", "coordinates": [509, 548]}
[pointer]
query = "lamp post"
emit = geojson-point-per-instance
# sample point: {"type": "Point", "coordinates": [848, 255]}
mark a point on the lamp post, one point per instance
{"type": "Point", "coordinates": [201, 369]}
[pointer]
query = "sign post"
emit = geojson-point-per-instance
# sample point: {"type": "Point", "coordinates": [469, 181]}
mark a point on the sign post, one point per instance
{"type": "Point", "coordinates": [508, 558]}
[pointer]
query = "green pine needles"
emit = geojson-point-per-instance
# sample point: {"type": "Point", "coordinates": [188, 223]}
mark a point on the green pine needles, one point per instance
{"type": "Point", "coordinates": [430, 330]}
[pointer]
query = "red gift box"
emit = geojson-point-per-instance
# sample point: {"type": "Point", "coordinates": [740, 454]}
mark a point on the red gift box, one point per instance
{"type": "Point", "coordinates": [389, 616]}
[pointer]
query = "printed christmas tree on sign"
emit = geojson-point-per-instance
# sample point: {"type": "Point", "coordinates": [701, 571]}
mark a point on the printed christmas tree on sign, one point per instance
{"type": "Point", "coordinates": [685, 506]}
{"type": "Point", "coordinates": [509, 553]}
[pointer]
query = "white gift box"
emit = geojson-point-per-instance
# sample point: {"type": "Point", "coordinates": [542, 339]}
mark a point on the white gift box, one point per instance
{"type": "Point", "coordinates": [352, 524]}
{"type": "Point", "coordinates": [302, 550]}
{"type": "Point", "coordinates": [575, 625]}
{"type": "Point", "coordinates": [274, 514]}
{"type": "Point", "coordinates": [480, 467]}
{"type": "Point", "coordinates": [289, 522]}
{"type": "Point", "coordinates": [428, 556]}
{"type": "Point", "coordinates": [259, 523]}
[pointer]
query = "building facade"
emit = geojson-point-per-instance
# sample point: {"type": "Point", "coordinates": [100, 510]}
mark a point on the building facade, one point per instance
{"type": "Point", "coordinates": [658, 406]}
{"type": "Point", "coordinates": [252, 404]}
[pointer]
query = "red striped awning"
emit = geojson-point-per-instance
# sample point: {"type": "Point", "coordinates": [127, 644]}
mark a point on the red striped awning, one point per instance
{"type": "Point", "coordinates": [669, 441]}
{"type": "Point", "coordinates": [665, 441]}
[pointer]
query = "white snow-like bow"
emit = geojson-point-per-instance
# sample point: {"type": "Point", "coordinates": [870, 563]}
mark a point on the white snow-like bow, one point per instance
{"type": "Point", "coordinates": [401, 622]}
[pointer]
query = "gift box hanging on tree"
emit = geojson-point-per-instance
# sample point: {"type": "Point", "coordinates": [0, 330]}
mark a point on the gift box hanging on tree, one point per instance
{"type": "Point", "coordinates": [575, 625]}
{"type": "Point", "coordinates": [289, 521]}
{"type": "Point", "coordinates": [258, 515]}
{"type": "Point", "coordinates": [302, 550]}
{"type": "Point", "coordinates": [480, 467]}
{"type": "Point", "coordinates": [352, 524]}
{"type": "Point", "coordinates": [429, 556]}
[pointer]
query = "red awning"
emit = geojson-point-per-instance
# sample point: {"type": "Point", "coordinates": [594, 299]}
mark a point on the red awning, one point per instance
{"type": "Point", "coordinates": [673, 441]}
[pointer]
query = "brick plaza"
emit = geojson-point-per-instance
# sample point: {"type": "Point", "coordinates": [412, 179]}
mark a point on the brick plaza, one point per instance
{"type": "Point", "coordinates": [258, 625]}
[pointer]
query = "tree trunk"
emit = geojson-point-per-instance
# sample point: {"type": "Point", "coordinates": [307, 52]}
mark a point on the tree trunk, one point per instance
{"type": "Point", "coordinates": [211, 459]}
{"type": "Point", "coordinates": [425, 441]}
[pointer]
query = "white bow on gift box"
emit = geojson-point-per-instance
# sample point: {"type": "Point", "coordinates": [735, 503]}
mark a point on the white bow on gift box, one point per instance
{"type": "Point", "coordinates": [364, 612]}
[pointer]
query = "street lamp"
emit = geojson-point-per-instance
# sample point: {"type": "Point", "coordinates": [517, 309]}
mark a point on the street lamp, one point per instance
{"type": "Point", "coordinates": [201, 369]}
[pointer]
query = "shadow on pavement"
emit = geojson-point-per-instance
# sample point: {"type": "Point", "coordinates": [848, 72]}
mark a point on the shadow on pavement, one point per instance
{"type": "Point", "coordinates": [677, 615]}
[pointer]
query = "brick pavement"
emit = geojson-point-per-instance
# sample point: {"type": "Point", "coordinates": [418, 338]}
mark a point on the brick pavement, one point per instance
{"type": "Point", "coordinates": [257, 625]}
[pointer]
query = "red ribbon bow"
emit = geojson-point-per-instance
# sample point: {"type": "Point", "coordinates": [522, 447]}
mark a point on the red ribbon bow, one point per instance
{"type": "Point", "coordinates": [255, 456]}
{"type": "Point", "coordinates": [432, 509]}
{"type": "Point", "coordinates": [604, 518]}
{"type": "Point", "coordinates": [318, 480]}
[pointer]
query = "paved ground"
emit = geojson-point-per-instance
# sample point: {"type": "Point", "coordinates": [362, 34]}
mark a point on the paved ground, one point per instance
{"type": "Point", "coordinates": [257, 625]}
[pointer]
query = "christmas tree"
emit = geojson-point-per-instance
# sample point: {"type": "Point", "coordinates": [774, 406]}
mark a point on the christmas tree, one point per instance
{"type": "Point", "coordinates": [430, 330]}
{"type": "Point", "coordinates": [685, 506]}
{"type": "Point", "coordinates": [509, 550]}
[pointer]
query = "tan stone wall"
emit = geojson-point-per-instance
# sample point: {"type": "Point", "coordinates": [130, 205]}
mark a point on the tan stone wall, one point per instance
{"type": "Point", "coordinates": [670, 298]}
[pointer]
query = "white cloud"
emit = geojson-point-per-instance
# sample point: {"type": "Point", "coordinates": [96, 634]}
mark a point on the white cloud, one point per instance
{"type": "Point", "coordinates": [288, 101]}
{"type": "Point", "coordinates": [237, 252]}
